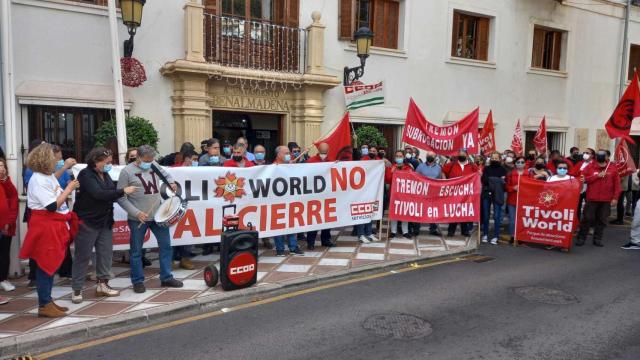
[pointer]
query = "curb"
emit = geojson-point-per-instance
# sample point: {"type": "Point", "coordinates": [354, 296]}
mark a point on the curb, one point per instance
{"type": "Point", "coordinates": [47, 340]}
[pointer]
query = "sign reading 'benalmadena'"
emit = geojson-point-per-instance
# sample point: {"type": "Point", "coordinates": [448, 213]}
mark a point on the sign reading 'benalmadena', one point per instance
{"type": "Point", "coordinates": [256, 99]}
{"type": "Point", "coordinates": [275, 199]}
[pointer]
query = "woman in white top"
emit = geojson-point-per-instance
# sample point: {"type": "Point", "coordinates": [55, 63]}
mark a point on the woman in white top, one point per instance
{"type": "Point", "coordinates": [562, 168]}
{"type": "Point", "coordinates": [51, 225]}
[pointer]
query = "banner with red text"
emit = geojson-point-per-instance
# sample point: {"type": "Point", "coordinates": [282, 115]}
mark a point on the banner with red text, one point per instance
{"type": "Point", "coordinates": [487, 137]}
{"type": "Point", "coordinates": [546, 211]}
{"type": "Point", "coordinates": [415, 198]}
{"type": "Point", "coordinates": [443, 140]}
{"type": "Point", "coordinates": [276, 199]}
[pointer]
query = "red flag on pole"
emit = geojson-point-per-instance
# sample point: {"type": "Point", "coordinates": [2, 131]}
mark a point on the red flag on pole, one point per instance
{"type": "Point", "coordinates": [338, 139]}
{"type": "Point", "coordinates": [516, 143]}
{"type": "Point", "coordinates": [624, 160]}
{"type": "Point", "coordinates": [619, 124]}
{"type": "Point", "coordinates": [540, 140]}
{"type": "Point", "coordinates": [487, 138]}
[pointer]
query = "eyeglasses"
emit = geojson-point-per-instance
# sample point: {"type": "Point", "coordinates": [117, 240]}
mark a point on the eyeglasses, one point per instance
{"type": "Point", "coordinates": [563, 168]}
{"type": "Point", "coordinates": [520, 162]}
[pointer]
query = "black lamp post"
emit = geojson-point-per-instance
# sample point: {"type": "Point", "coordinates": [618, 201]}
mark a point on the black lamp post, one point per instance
{"type": "Point", "coordinates": [363, 38]}
{"type": "Point", "coordinates": [132, 18]}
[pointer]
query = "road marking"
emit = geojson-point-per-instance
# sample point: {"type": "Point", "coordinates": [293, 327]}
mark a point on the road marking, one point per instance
{"type": "Point", "coordinates": [250, 304]}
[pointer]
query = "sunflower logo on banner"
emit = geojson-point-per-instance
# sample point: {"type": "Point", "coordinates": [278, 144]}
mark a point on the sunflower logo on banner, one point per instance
{"type": "Point", "coordinates": [548, 198]}
{"type": "Point", "coordinates": [230, 187]}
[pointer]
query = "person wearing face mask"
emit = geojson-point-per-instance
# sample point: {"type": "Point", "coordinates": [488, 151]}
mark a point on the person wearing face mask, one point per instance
{"type": "Point", "coordinates": [459, 166]}
{"type": "Point", "coordinates": [554, 159]}
{"type": "Point", "coordinates": [212, 157]}
{"type": "Point", "coordinates": [400, 164]}
{"type": "Point", "coordinates": [260, 154]}
{"type": "Point", "coordinates": [189, 158]}
{"type": "Point", "coordinates": [575, 156]}
{"type": "Point", "coordinates": [227, 149]}
{"type": "Point", "coordinates": [410, 156]}
{"type": "Point", "coordinates": [182, 254]}
{"type": "Point", "coordinates": [243, 141]}
{"type": "Point", "coordinates": [603, 189]}
{"type": "Point", "coordinates": [176, 158]}
{"type": "Point", "coordinates": [562, 172]}
{"type": "Point", "coordinates": [511, 187]}
{"type": "Point", "coordinates": [587, 157]}
{"type": "Point", "coordinates": [325, 234]}
{"type": "Point", "coordinates": [364, 153]}
{"type": "Point", "coordinates": [132, 155]}
{"type": "Point", "coordinates": [539, 171]}
{"type": "Point", "coordinates": [63, 176]}
{"type": "Point", "coordinates": [431, 170]}
{"type": "Point", "coordinates": [493, 188]}
{"type": "Point", "coordinates": [238, 159]}
{"type": "Point", "coordinates": [283, 156]}
{"type": "Point", "coordinates": [532, 155]}
{"type": "Point", "coordinates": [94, 207]}
{"type": "Point", "coordinates": [141, 207]}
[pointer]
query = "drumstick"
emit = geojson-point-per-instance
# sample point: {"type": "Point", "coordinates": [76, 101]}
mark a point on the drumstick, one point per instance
{"type": "Point", "coordinates": [155, 203]}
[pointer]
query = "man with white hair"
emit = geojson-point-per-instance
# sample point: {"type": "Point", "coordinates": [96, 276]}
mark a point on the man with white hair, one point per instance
{"type": "Point", "coordinates": [283, 156]}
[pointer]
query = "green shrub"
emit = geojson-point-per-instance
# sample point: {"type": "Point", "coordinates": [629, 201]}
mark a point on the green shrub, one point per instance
{"type": "Point", "coordinates": [139, 132]}
{"type": "Point", "coordinates": [370, 135]}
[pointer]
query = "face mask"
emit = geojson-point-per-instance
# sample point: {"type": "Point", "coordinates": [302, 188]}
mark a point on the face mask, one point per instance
{"type": "Point", "coordinates": [520, 165]}
{"type": "Point", "coordinates": [601, 157]}
{"type": "Point", "coordinates": [408, 156]}
{"type": "Point", "coordinates": [323, 156]}
{"type": "Point", "coordinates": [586, 157]}
{"type": "Point", "coordinates": [382, 153]}
{"type": "Point", "coordinates": [107, 168]}
{"type": "Point", "coordinates": [259, 156]}
{"type": "Point", "coordinates": [430, 159]}
{"type": "Point", "coordinates": [59, 164]}
{"type": "Point", "coordinates": [237, 158]}
{"type": "Point", "coordinates": [145, 165]}
{"type": "Point", "coordinates": [509, 159]}
{"type": "Point", "coordinates": [562, 171]}
{"type": "Point", "coordinates": [539, 166]}
{"type": "Point", "coordinates": [131, 160]}
{"type": "Point", "coordinates": [214, 159]}
{"type": "Point", "coordinates": [373, 155]}
{"type": "Point", "coordinates": [503, 156]}
{"type": "Point", "coordinates": [462, 158]}
{"type": "Point", "coordinates": [531, 157]}
{"type": "Point", "coordinates": [576, 155]}
{"type": "Point", "coordinates": [399, 161]}
{"type": "Point", "coordinates": [364, 151]}
{"type": "Point", "coordinates": [296, 153]}
{"type": "Point", "coordinates": [287, 158]}
{"type": "Point", "coordinates": [194, 163]}
{"type": "Point", "coordinates": [495, 163]}
{"type": "Point", "coordinates": [227, 150]}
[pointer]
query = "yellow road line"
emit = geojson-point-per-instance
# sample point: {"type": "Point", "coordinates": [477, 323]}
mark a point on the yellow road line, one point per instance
{"type": "Point", "coordinates": [151, 328]}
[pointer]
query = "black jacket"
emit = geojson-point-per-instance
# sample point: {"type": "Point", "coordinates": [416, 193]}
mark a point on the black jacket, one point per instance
{"type": "Point", "coordinates": [95, 198]}
{"type": "Point", "coordinates": [493, 183]}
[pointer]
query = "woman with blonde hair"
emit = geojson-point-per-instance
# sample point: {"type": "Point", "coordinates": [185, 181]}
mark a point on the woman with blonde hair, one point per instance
{"type": "Point", "coordinates": [52, 225]}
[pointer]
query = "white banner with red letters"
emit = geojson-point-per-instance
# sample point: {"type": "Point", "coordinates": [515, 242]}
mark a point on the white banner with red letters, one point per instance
{"type": "Point", "coordinates": [275, 199]}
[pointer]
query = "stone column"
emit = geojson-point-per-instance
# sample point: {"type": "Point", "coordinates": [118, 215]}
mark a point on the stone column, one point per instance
{"type": "Point", "coordinates": [307, 115]}
{"type": "Point", "coordinates": [194, 31]}
{"type": "Point", "coordinates": [315, 61]}
{"type": "Point", "coordinates": [191, 112]}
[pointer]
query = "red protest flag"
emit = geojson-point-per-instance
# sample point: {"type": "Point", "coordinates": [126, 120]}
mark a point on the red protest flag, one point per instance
{"type": "Point", "coordinates": [624, 160]}
{"type": "Point", "coordinates": [628, 108]}
{"type": "Point", "coordinates": [443, 140]}
{"type": "Point", "coordinates": [338, 139]}
{"type": "Point", "coordinates": [516, 143]}
{"type": "Point", "coordinates": [540, 140]}
{"type": "Point", "coordinates": [486, 139]}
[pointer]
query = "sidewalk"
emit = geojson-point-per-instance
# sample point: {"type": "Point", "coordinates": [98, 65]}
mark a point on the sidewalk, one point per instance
{"type": "Point", "coordinates": [21, 330]}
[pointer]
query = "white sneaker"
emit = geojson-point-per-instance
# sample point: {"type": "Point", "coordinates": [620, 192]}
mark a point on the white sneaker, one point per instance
{"type": "Point", "coordinates": [485, 238]}
{"type": "Point", "coordinates": [103, 289]}
{"type": "Point", "coordinates": [76, 299]}
{"type": "Point", "coordinates": [7, 286]}
{"type": "Point", "coordinates": [363, 239]}
{"type": "Point", "coordinates": [373, 238]}
{"type": "Point", "coordinates": [494, 241]}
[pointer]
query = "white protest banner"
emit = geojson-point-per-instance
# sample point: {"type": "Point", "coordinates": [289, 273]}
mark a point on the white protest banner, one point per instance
{"type": "Point", "coordinates": [275, 199]}
{"type": "Point", "coordinates": [361, 95]}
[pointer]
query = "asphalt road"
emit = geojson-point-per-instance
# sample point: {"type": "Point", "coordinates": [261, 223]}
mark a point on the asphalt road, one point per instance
{"type": "Point", "coordinates": [473, 308]}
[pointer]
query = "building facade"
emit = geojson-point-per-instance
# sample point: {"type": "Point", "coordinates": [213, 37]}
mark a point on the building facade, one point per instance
{"type": "Point", "coordinates": [271, 70]}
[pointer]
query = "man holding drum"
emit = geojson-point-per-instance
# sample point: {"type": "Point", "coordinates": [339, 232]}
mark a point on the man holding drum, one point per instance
{"type": "Point", "coordinates": [141, 207]}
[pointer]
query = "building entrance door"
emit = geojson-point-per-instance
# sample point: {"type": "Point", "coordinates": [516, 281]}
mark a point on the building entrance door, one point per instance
{"type": "Point", "coordinates": [259, 129]}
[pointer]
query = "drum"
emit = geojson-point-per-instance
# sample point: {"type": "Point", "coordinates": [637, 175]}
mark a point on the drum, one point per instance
{"type": "Point", "coordinates": [170, 211]}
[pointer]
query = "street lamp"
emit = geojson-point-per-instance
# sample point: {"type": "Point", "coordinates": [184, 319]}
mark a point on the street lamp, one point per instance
{"type": "Point", "coordinates": [132, 18]}
{"type": "Point", "coordinates": [363, 38]}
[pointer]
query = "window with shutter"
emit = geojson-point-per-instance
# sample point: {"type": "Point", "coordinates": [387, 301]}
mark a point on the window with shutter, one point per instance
{"type": "Point", "coordinates": [634, 60]}
{"type": "Point", "coordinates": [470, 36]}
{"type": "Point", "coordinates": [381, 16]}
{"type": "Point", "coordinates": [347, 19]}
{"type": "Point", "coordinates": [547, 48]}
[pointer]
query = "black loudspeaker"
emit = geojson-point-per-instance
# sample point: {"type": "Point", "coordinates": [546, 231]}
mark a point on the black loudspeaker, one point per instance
{"type": "Point", "coordinates": [238, 259]}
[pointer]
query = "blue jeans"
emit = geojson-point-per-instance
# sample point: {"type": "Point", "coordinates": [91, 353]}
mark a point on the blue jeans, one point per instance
{"type": "Point", "coordinates": [135, 251]}
{"type": "Point", "coordinates": [293, 242]}
{"type": "Point", "coordinates": [325, 237]}
{"type": "Point", "coordinates": [364, 229]}
{"type": "Point", "coordinates": [44, 284]}
{"type": "Point", "coordinates": [512, 219]}
{"type": "Point", "coordinates": [497, 216]}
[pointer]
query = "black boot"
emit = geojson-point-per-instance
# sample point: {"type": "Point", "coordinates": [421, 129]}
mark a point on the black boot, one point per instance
{"type": "Point", "coordinates": [580, 241]}
{"type": "Point", "coordinates": [598, 243]}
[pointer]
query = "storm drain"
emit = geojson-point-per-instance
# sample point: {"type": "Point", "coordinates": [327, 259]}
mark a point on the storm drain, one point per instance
{"type": "Point", "coordinates": [546, 295]}
{"type": "Point", "coordinates": [398, 326]}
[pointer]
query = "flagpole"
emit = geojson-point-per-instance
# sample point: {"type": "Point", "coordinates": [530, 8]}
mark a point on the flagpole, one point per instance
{"type": "Point", "coordinates": [515, 226]}
{"type": "Point", "coordinates": [625, 47]}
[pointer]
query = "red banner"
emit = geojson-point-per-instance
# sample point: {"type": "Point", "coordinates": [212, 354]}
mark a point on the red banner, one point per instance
{"type": "Point", "coordinates": [540, 140]}
{"type": "Point", "coordinates": [487, 139]}
{"type": "Point", "coordinates": [443, 140]}
{"type": "Point", "coordinates": [339, 140]}
{"type": "Point", "coordinates": [516, 143]}
{"type": "Point", "coordinates": [546, 211]}
{"type": "Point", "coordinates": [624, 160]}
{"type": "Point", "coordinates": [628, 108]}
{"type": "Point", "coordinates": [415, 198]}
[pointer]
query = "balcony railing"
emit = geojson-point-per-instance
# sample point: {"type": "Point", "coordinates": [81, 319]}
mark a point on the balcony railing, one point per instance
{"type": "Point", "coordinates": [250, 44]}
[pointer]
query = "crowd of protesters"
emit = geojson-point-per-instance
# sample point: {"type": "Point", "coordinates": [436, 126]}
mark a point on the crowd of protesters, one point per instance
{"type": "Point", "coordinates": [52, 224]}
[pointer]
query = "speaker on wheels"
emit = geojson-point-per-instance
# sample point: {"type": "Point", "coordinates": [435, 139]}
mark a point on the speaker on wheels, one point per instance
{"type": "Point", "coordinates": [238, 254]}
